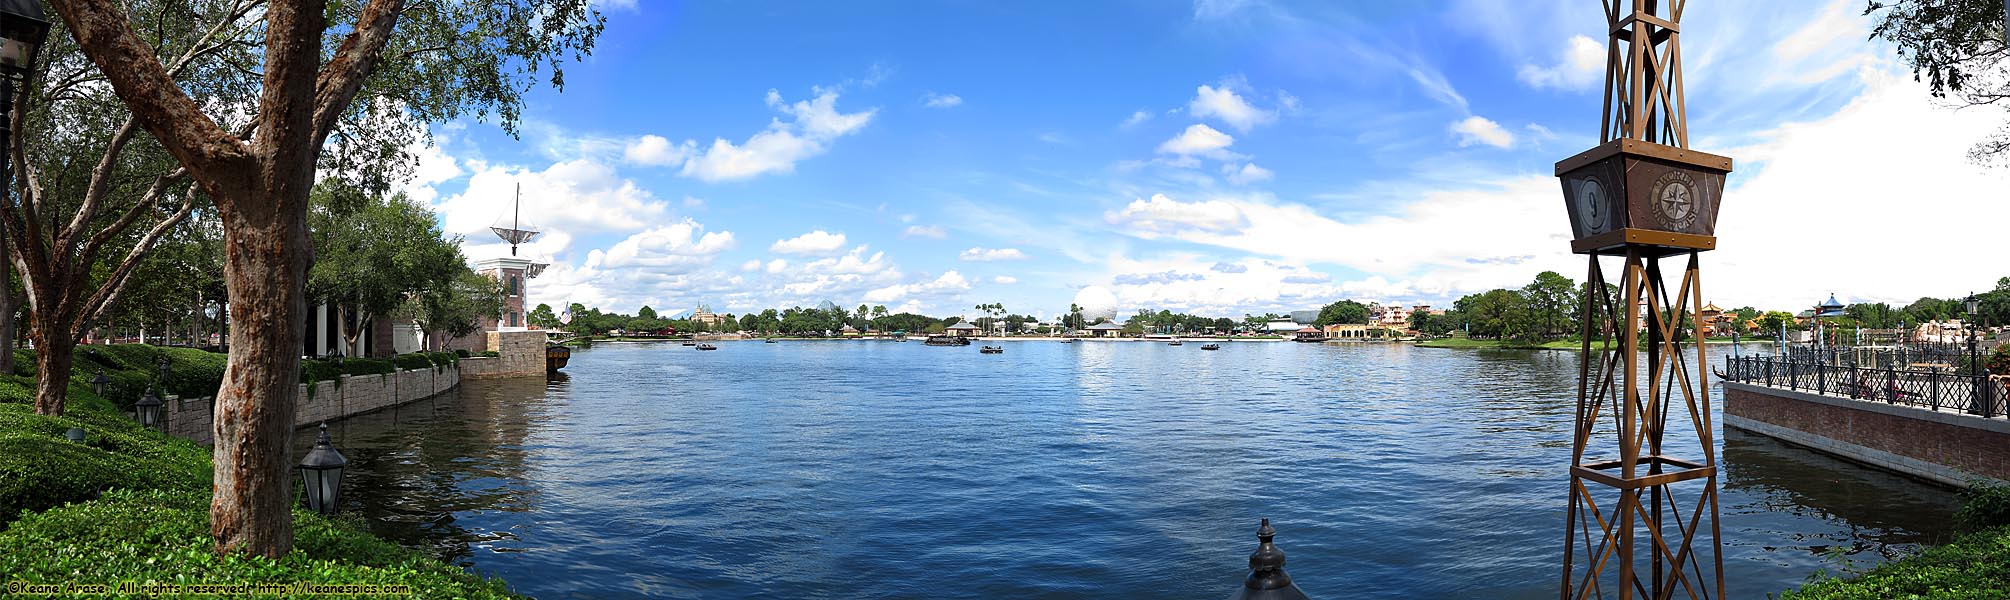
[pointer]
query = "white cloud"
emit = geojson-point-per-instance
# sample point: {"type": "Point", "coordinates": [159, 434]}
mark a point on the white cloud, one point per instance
{"type": "Point", "coordinates": [777, 149]}
{"type": "Point", "coordinates": [1581, 67]}
{"type": "Point", "coordinates": [1249, 173]}
{"type": "Point", "coordinates": [752, 265]}
{"type": "Point", "coordinates": [934, 100]}
{"type": "Point", "coordinates": [1136, 118]}
{"type": "Point", "coordinates": [815, 242]}
{"type": "Point", "coordinates": [925, 231]}
{"type": "Point", "coordinates": [1198, 139]}
{"type": "Point", "coordinates": [678, 247]}
{"type": "Point", "coordinates": [656, 151]}
{"type": "Point", "coordinates": [1161, 215]}
{"type": "Point", "coordinates": [1480, 130]}
{"type": "Point", "coordinates": [577, 197]}
{"type": "Point", "coordinates": [1224, 104]}
{"type": "Point", "coordinates": [1005, 280]}
{"type": "Point", "coordinates": [991, 254]}
{"type": "Point", "coordinates": [947, 284]}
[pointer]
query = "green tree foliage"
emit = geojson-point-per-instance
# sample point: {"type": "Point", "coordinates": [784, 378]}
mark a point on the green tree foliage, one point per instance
{"type": "Point", "coordinates": [1957, 47]}
{"type": "Point", "coordinates": [456, 306]}
{"type": "Point", "coordinates": [543, 317]}
{"type": "Point", "coordinates": [645, 313]}
{"type": "Point", "coordinates": [1346, 312]}
{"type": "Point", "coordinates": [1552, 304]}
{"type": "Point", "coordinates": [374, 252]}
{"type": "Point", "coordinates": [1776, 321]}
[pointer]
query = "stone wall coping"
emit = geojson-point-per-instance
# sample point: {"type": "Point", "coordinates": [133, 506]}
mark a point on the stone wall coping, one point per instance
{"type": "Point", "coordinates": [1957, 419]}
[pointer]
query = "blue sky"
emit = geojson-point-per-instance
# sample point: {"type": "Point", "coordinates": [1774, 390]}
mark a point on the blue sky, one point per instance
{"type": "Point", "coordinates": [1215, 157]}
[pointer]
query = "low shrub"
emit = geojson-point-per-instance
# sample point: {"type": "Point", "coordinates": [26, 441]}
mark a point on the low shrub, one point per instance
{"type": "Point", "coordinates": [40, 468]}
{"type": "Point", "coordinates": [163, 536]}
{"type": "Point", "coordinates": [441, 359]}
{"type": "Point", "coordinates": [1983, 505]}
{"type": "Point", "coordinates": [491, 354]}
{"type": "Point", "coordinates": [1975, 566]}
{"type": "Point", "coordinates": [460, 353]}
{"type": "Point", "coordinates": [368, 366]}
{"type": "Point", "coordinates": [414, 360]}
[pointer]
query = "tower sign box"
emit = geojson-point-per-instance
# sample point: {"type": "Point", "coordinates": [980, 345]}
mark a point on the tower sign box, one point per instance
{"type": "Point", "coordinates": [1629, 192]}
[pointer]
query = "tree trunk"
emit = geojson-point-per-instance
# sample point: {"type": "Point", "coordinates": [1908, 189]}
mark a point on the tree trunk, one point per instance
{"type": "Point", "coordinates": [6, 304]}
{"type": "Point", "coordinates": [265, 266]}
{"type": "Point", "coordinates": [53, 356]}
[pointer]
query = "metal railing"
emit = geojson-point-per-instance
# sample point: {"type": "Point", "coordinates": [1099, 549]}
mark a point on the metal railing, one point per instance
{"type": "Point", "coordinates": [1929, 388]}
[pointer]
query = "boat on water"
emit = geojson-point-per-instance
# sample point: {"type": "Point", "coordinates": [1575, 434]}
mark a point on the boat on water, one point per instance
{"type": "Point", "coordinates": [707, 347]}
{"type": "Point", "coordinates": [1210, 346]}
{"type": "Point", "coordinates": [555, 356]}
{"type": "Point", "coordinates": [1175, 343]}
{"type": "Point", "coordinates": [992, 350]}
{"type": "Point", "coordinates": [946, 340]}
{"type": "Point", "coordinates": [771, 340]}
{"type": "Point", "coordinates": [1068, 341]}
{"type": "Point", "coordinates": [690, 343]}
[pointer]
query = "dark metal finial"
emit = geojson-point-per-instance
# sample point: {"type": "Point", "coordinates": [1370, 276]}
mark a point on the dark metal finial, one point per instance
{"type": "Point", "coordinates": [1267, 579]}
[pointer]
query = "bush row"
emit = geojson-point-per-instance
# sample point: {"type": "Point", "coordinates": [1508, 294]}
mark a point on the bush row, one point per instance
{"type": "Point", "coordinates": [1976, 565]}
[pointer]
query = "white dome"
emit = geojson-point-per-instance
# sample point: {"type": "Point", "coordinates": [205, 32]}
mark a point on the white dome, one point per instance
{"type": "Point", "coordinates": [1097, 303]}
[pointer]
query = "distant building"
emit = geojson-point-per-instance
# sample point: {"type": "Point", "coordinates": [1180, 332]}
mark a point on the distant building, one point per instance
{"type": "Point", "coordinates": [1346, 331]}
{"type": "Point", "coordinates": [1282, 326]}
{"type": "Point", "coordinates": [1105, 330]}
{"type": "Point", "coordinates": [848, 331]}
{"type": "Point", "coordinates": [962, 330]}
{"type": "Point", "coordinates": [1308, 334]}
{"type": "Point", "coordinates": [704, 317]}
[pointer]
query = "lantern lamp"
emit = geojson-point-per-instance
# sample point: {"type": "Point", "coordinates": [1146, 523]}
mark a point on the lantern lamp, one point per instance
{"type": "Point", "coordinates": [321, 473]}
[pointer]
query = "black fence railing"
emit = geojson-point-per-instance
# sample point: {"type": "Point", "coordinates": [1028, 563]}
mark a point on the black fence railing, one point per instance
{"type": "Point", "coordinates": [1936, 389]}
{"type": "Point", "coordinates": [1907, 356]}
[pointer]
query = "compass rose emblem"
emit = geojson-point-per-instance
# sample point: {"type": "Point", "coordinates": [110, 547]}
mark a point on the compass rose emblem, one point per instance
{"type": "Point", "coordinates": [1675, 200]}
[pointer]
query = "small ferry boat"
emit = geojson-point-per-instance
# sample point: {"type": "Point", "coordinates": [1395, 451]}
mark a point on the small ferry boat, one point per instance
{"type": "Point", "coordinates": [1068, 341]}
{"type": "Point", "coordinates": [946, 340]}
{"type": "Point", "coordinates": [1210, 347]}
{"type": "Point", "coordinates": [771, 340]}
{"type": "Point", "coordinates": [707, 347]}
{"type": "Point", "coordinates": [690, 343]}
{"type": "Point", "coordinates": [1175, 343]}
{"type": "Point", "coordinates": [992, 350]}
{"type": "Point", "coordinates": [555, 356]}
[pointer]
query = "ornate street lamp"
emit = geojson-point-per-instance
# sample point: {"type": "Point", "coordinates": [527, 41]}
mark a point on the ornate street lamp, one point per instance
{"type": "Point", "coordinates": [321, 474]}
{"type": "Point", "coordinates": [23, 28]}
{"type": "Point", "coordinates": [1267, 579]}
{"type": "Point", "coordinates": [98, 383]}
{"type": "Point", "coordinates": [1974, 359]}
{"type": "Point", "coordinates": [148, 410]}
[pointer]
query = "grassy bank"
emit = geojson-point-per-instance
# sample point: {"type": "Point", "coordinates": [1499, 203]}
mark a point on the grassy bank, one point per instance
{"type": "Point", "coordinates": [1499, 344]}
{"type": "Point", "coordinates": [1564, 344]}
{"type": "Point", "coordinates": [1975, 565]}
{"type": "Point", "coordinates": [131, 505]}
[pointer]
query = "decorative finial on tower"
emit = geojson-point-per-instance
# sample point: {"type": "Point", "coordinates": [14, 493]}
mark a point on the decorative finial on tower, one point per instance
{"type": "Point", "coordinates": [512, 228]}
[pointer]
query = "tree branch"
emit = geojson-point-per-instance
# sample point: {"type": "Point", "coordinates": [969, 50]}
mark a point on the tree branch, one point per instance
{"type": "Point", "coordinates": [116, 284]}
{"type": "Point", "coordinates": [358, 55]}
{"type": "Point", "coordinates": [105, 35]}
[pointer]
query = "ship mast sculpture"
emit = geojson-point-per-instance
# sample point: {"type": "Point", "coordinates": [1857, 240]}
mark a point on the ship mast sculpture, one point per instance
{"type": "Point", "coordinates": [517, 231]}
{"type": "Point", "coordinates": [1642, 520]}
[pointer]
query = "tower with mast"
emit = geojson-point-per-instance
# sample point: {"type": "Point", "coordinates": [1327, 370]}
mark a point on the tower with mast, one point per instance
{"type": "Point", "coordinates": [513, 271]}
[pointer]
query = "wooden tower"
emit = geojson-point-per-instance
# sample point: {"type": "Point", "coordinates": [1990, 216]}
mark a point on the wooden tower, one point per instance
{"type": "Point", "coordinates": [1642, 521]}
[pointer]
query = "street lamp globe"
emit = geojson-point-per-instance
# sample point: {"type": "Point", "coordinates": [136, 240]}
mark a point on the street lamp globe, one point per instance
{"type": "Point", "coordinates": [321, 473]}
{"type": "Point", "coordinates": [99, 382]}
{"type": "Point", "coordinates": [1971, 304]}
{"type": "Point", "coordinates": [148, 410]}
{"type": "Point", "coordinates": [23, 28]}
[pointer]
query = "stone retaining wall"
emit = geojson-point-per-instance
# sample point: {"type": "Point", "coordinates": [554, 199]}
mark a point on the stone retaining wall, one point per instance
{"type": "Point", "coordinates": [1946, 447]}
{"type": "Point", "coordinates": [191, 418]}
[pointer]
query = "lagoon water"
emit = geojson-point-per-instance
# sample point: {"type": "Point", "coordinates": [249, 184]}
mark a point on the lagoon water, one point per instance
{"type": "Point", "coordinates": [1087, 470]}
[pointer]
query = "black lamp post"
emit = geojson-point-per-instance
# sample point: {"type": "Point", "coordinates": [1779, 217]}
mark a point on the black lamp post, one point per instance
{"type": "Point", "coordinates": [1267, 579]}
{"type": "Point", "coordinates": [321, 473]}
{"type": "Point", "coordinates": [98, 383]}
{"type": "Point", "coordinates": [23, 28]}
{"type": "Point", "coordinates": [148, 410]}
{"type": "Point", "coordinates": [1974, 359]}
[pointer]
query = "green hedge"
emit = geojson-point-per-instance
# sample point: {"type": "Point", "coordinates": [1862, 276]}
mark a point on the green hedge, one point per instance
{"type": "Point", "coordinates": [415, 360]}
{"type": "Point", "coordinates": [163, 536]}
{"type": "Point", "coordinates": [40, 468]}
{"type": "Point", "coordinates": [1976, 565]}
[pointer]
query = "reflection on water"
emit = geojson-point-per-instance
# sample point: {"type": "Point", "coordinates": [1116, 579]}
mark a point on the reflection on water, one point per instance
{"type": "Point", "coordinates": [887, 470]}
